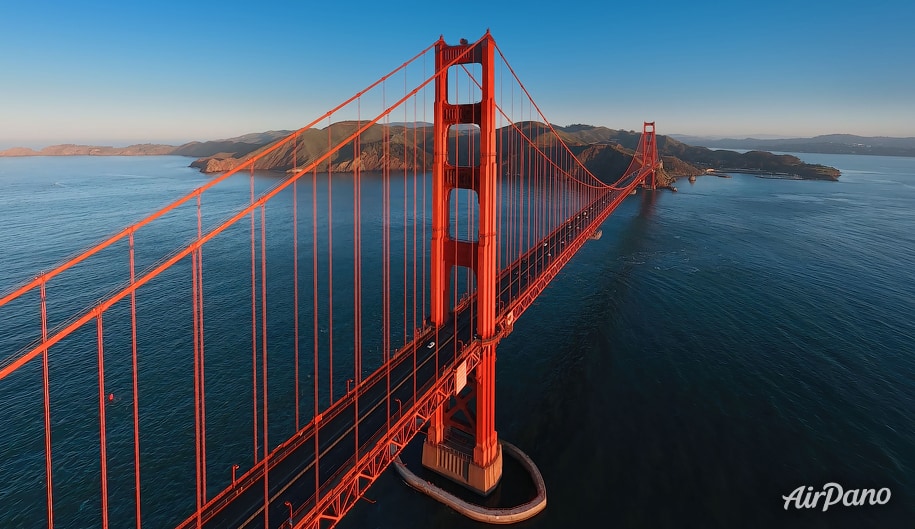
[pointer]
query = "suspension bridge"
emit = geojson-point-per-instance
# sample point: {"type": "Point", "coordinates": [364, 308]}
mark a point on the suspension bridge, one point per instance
{"type": "Point", "coordinates": [415, 223]}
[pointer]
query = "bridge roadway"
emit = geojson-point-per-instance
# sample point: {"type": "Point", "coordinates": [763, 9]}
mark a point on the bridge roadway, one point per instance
{"type": "Point", "coordinates": [291, 476]}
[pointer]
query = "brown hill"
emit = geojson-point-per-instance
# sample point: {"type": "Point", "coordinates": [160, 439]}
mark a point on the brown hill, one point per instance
{"type": "Point", "coordinates": [405, 144]}
{"type": "Point", "coordinates": [19, 151]}
{"type": "Point", "coordinates": [605, 158]}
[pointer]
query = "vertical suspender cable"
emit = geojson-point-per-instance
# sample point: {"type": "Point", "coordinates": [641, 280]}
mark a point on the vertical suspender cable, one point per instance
{"type": "Point", "coordinates": [385, 261]}
{"type": "Point", "coordinates": [500, 169]}
{"type": "Point", "coordinates": [406, 320]}
{"type": "Point", "coordinates": [314, 290]}
{"type": "Point", "coordinates": [199, 398]}
{"type": "Point", "coordinates": [424, 176]}
{"type": "Point", "coordinates": [415, 220]}
{"type": "Point", "coordinates": [101, 411]}
{"type": "Point", "coordinates": [264, 358]}
{"type": "Point", "coordinates": [203, 401]}
{"type": "Point", "coordinates": [198, 474]}
{"type": "Point", "coordinates": [253, 325]}
{"type": "Point", "coordinates": [385, 232]}
{"type": "Point", "coordinates": [136, 388]}
{"type": "Point", "coordinates": [46, 384]}
{"type": "Point", "coordinates": [330, 268]}
{"type": "Point", "coordinates": [295, 277]}
{"type": "Point", "coordinates": [357, 267]}
{"type": "Point", "coordinates": [530, 191]}
{"type": "Point", "coordinates": [424, 209]}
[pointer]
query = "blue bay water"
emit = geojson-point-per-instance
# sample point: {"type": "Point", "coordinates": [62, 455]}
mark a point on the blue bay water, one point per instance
{"type": "Point", "coordinates": [716, 349]}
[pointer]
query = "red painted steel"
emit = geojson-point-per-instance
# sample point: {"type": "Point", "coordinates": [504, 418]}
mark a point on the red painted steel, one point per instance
{"type": "Point", "coordinates": [647, 154]}
{"type": "Point", "coordinates": [135, 385]}
{"type": "Point", "coordinates": [480, 255]}
{"type": "Point", "coordinates": [486, 438]}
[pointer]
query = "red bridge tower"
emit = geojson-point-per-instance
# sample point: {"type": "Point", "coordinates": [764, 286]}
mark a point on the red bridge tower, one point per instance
{"type": "Point", "coordinates": [648, 149]}
{"type": "Point", "coordinates": [470, 415]}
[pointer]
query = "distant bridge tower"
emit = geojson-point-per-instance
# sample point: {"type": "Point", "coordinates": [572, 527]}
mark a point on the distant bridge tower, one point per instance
{"type": "Point", "coordinates": [470, 416]}
{"type": "Point", "coordinates": [648, 151]}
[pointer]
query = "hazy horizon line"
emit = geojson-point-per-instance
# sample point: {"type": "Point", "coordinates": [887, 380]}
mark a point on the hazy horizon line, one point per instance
{"type": "Point", "coordinates": [6, 144]}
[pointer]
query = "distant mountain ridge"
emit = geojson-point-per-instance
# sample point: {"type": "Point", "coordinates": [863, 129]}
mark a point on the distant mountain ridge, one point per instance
{"type": "Point", "coordinates": [237, 146]}
{"type": "Point", "coordinates": [824, 144]}
{"type": "Point", "coordinates": [70, 149]}
{"type": "Point", "coordinates": [605, 152]}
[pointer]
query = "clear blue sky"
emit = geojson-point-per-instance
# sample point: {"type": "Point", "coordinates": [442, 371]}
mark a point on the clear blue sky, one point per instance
{"type": "Point", "coordinates": [166, 71]}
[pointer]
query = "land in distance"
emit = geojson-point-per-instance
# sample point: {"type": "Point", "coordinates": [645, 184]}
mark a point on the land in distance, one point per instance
{"type": "Point", "coordinates": [605, 152]}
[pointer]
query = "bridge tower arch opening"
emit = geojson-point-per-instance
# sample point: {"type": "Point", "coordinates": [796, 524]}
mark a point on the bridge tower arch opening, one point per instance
{"type": "Point", "coordinates": [469, 416]}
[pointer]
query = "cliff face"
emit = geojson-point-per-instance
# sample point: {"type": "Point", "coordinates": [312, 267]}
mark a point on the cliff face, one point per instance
{"type": "Point", "coordinates": [216, 164]}
{"type": "Point", "coordinates": [677, 168]}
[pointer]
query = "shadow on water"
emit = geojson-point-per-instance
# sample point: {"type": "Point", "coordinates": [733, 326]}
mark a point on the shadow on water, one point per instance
{"type": "Point", "coordinates": [647, 205]}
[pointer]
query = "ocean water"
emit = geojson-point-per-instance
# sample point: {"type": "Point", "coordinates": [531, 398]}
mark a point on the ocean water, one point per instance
{"type": "Point", "coordinates": [715, 350]}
